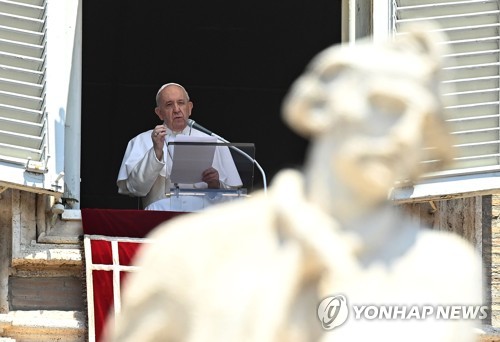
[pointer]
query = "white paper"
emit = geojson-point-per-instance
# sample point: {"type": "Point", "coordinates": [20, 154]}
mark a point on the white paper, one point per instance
{"type": "Point", "coordinates": [189, 161]}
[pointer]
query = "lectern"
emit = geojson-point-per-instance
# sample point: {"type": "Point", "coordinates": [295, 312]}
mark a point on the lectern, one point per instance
{"type": "Point", "coordinates": [190, 158]}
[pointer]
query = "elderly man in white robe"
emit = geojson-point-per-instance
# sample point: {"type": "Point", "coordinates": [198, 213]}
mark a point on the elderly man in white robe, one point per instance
{"type": "Point", "coordinates": [147, 164]}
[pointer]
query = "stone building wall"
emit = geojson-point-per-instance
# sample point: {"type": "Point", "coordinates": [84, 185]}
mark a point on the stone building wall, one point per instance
{"type": "Point", "coordinates": [477, 219]}
{"type": "Point", "coordinates": [493, 260]}
{"type": "Point", "coordinates": [41, 284]}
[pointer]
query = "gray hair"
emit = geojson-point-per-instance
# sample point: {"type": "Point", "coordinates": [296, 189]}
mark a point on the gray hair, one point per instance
{"type": "Point", "coordinates": [170, 84]}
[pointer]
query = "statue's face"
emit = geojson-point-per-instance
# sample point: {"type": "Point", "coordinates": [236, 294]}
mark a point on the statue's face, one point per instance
{"type": "Point", "coordinates": [381, 136]}
{"type": "Point", "coordinates": [370, 117]}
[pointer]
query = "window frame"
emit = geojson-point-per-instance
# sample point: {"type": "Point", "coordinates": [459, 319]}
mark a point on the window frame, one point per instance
{"type": "Point", "coordinates": [440, 185]}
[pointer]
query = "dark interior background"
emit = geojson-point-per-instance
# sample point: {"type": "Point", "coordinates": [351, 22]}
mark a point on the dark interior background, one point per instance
{"type": "Point", "coordinates": [236, 59]}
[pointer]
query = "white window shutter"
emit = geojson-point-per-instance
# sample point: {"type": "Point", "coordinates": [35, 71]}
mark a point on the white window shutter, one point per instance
{"type": "Point", "coordinates": [472, 70]}
{"type": "Point", "coordinates": [25, 126]}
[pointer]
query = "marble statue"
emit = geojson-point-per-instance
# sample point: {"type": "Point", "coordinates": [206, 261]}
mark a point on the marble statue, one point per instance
{"type": "Point", "coordinates": [261, 268]}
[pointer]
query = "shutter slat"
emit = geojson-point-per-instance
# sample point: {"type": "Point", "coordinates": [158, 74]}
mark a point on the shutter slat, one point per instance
{"type": "Point", "coordinates": [21, 74]}
{"type": "Point", "coordinates": [23, 62]}
{"type": "Point", "coordinates": [21, 23]}
{"type": "Point", "coordinates": [18, 100]}
{"type": "Point", "coordinates": [473, 123]}
{"type": "Point", "coordinates": [20, 113]}
{"type": "Point", "coordinates": [24, 36]}
{"type": "Point", "coordinates": [21, 49]}
{"type": "Point", "coordinates": [18, 139]}
{"type": "Point", "coordinates": [470, 72]}
{"type": "Point", "coordinates": [19, 154]}
{"type": "Point", "coordinates": [481, 83]}
{"type": "Point", "coordinates": [468, 165]}
{"type": "Point", "coordinates": [432, 4]}
{"type": "Point", "coordinates": [40, 3]}
{"type": "Point", "coordinates": [23, 9]}
{"type": "Point", "coordinates": [453, 21]}
{"type": "Point", "coordinates": [21, 127]}
{"type": "Point", "coordinates": [24, 88]}
{"type": "Point", "coordinates": [475, 97]}
{"type": "Point", "coordinates": [480, 136]}
{"type": "Point", "coordinates": [473, 59]}
{"type": "Point", "coordinates": [474, 47]}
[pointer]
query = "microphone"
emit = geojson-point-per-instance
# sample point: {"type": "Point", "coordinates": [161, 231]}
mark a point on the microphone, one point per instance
{"type": "Point", "coordinates": [192, 123]}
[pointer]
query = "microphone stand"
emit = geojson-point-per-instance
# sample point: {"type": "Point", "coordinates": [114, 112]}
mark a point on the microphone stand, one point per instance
{"type": "Point", "coordinates": [243, 153]}
{"type": "Point", "coordinates": [191, 123]}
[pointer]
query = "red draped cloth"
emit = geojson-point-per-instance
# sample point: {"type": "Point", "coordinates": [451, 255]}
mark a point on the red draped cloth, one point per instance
{"type": "Point", "coordinates": [125, 223]}
{"type": "Point", "coordinates": [114, 224]}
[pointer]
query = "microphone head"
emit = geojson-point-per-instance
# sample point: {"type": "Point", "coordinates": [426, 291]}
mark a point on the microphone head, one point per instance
{"type": "Point", "coordinates": [190, 123]}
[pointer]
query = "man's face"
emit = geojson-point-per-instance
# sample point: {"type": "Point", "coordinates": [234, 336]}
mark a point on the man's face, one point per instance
{"type": "Point", "coordinates": [174, 108]}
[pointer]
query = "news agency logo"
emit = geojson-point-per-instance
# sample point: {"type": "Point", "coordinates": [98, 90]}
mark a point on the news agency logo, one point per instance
{"type": "Point", "coordinates": [333, 311]}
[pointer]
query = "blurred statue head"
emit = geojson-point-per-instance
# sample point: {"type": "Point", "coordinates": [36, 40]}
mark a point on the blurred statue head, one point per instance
{"type": "Point", "coordinates": [373, 113]}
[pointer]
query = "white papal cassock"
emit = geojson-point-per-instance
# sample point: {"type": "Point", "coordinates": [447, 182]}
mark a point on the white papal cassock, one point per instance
{"type": "Point", "coordinates": [143, 175]}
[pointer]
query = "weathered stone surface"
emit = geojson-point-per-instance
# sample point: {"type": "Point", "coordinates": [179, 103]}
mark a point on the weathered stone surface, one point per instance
{"type": "Point", "coordinates": [494, 269]}
{"type": "Point", "coordinates": [44, 325]}
{"type": "Point", "coordinates": [46, 293]}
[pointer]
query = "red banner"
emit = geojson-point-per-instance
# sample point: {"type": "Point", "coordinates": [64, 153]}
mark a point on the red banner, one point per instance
{"type": "Point", "coordinates": [112, 237]}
